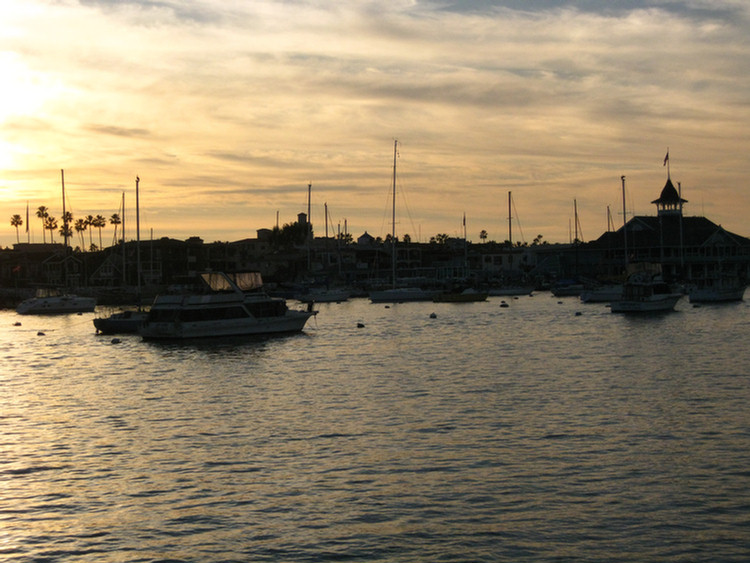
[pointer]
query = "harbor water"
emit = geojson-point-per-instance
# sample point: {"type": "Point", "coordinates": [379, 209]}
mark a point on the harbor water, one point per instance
{"type": "Point", "coordinates": [543, 431]}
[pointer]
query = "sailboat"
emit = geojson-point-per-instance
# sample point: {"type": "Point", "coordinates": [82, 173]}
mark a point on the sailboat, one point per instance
{"type": "Point", "coordinates": [53, 301]}
{"type": "Point", "coordinates": [128, 321]}
{"type": "Point", "coordinates": [512, 289]}
{"type": "Point", "coordinates": [397, 294]}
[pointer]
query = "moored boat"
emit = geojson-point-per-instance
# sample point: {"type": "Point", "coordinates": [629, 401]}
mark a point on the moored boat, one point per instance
{"type": "Point", "coordinates": [121, 322]}
{"type": "Point", "coordinates": [398, 294]}
{"type": "Point", "coordinates": [229, 305]}
{"type": "Point", "coordinates": [717, 290]}
{"type": "Point", "coordinates": [468, 295]}
{"type": "Point", "coordinates": [52, 302]}
{"type": "Point", "coordinates": [510, 291]}
{"type": "Point", "coordinates": [645, 292]}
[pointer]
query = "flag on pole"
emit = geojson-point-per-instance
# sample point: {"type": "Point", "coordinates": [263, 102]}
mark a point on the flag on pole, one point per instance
{"type": "Point", "coordinates": [27, 216]}
{"type": "Point", "coordinates": [464, 219]}
{"type": "Point", "coordinates": [666, 159]}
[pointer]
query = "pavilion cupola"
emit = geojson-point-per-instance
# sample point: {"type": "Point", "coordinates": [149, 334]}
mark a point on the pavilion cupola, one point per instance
{"type": "Point", "coordinates": [669, 202]}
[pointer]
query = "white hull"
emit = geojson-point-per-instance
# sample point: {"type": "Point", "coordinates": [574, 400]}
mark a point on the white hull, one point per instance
{"type": "Point", "coordinates": [661, 302]}
{"type": "Point", "coordinates": [292, 321]}
{"type": "Point", "coordinates": [57, 305]}
{"type": "Point", "coordinates": [234, 307]}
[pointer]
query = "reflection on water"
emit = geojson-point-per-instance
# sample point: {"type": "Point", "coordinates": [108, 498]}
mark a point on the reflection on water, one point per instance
{"type": "Point", "coordinates": [484, 434]}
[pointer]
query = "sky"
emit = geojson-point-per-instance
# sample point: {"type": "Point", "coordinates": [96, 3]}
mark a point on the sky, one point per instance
{"type": "Point", "coordinates": [228, 109]}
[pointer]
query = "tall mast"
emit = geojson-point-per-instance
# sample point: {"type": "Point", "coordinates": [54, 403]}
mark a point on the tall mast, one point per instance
{"type": "Point", "coordinates": [510, 222]}
{"type": "Point", "coordinates": [682, 246]}
{"type": "Point", "coordinates": [138, 237]}
{"type": "Point", "coordinates": [309, 228]}
{"type": "Point", "coordinates": [65, 215]}
{"type": "Point", "coordinates": [124, 278]}
{"type": "Point", "coordinates": [393, 216]}
{"type": "Point", "coordinates": [624, 222]}
{"type": "Point", "coordinates": [65, 229]}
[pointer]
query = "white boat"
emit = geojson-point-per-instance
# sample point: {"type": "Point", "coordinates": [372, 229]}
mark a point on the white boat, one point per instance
{"type": "Point", "coordinates": [645, 292]}
{"type": "Point", "coordinates": [717, 290]}
{"type": "Point", "coordinates": [231, 305]}
{"type": "Point", "coordinates": [52, 302]}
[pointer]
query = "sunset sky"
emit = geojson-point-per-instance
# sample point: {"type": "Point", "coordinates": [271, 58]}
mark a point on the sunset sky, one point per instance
{"type": "Point", "coordinates": [227, 109]}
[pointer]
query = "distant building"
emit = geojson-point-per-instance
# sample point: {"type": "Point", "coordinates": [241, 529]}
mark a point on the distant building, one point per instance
{"type": "Point", "coordinates": [688, 248]}
{"type": "Point", "coordinates": [366, 239]}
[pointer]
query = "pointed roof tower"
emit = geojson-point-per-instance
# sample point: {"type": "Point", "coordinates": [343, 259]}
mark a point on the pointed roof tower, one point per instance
{"type": "Point", "coordinates": [669, 202]}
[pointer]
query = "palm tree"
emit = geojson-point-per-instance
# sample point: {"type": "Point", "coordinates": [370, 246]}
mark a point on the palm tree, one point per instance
{"type": "Point", "coordinates": [115, 220]}
{"type": "Point", "coordinates": [16, 221]}
{"type": "Point", "coordinates": [90, 223]}
{"type": "Point", "coordinates": [99, 223]}
{"type": "Point", "coordinates": [483, 235]}
{"type": "Point", "coordinates": [50, 223]}
{"type": "Point", "coordinates": [80, 226]}
{"type": "Point", "coordinates": [66, 231]}
{"type": "Point", "coordinates": [43, 213]}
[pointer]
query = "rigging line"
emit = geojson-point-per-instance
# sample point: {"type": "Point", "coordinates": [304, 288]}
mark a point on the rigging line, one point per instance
{"type": "Point", "coordinates": [518, 220]}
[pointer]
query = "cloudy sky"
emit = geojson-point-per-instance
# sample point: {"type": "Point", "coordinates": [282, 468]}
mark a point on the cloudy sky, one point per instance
{"type": "Point", "coordinates": [227, 109]}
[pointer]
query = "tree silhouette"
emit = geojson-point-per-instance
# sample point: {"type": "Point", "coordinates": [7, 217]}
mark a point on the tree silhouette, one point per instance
{"type": "Point", "coordinates": [16, 221]}
{"type": "Point", "coordinates": [483, 235]}
{"type": "Point", "coordinates": [116, 221]}
{"type": "Point", "coordinates": [100, 222]}
{"type": "Point", "coordinates": [90, 223]}
{"type": "Point", "coordinates": [42, 212]}
{"type": "Point", "coordinates": [50, 223]}
{"type": "Point", "coordinates": [66, 231]}
{"type": "Point", "coordinates": [80, 226]}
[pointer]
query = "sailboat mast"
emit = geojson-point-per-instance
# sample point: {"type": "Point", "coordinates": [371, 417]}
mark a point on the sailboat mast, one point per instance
{"type": "Point", "coordinates": [124, 278]}
{"type": "Point", "coordinates": [138, 235]}
{"type": "Point", "coordinates": [309, 228]}
{"type": "Point", "coordinates": [624, 222]}
{"type": "Point", "coordinates": [393, 216]}
{"type": "Point", "coordinates": [510, 222]}
{"type": "Point", "coordinates": [65, 230]}
{"type": "Point", "coordinates": [65, 215]}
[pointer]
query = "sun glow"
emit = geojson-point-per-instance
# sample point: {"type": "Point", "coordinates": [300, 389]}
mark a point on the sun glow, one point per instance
{"type": "Point", "coordinates": [23, 92]}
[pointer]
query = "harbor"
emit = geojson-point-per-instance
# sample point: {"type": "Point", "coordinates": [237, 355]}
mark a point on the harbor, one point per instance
{"type": "Point", "coordinates": [405, 432]}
